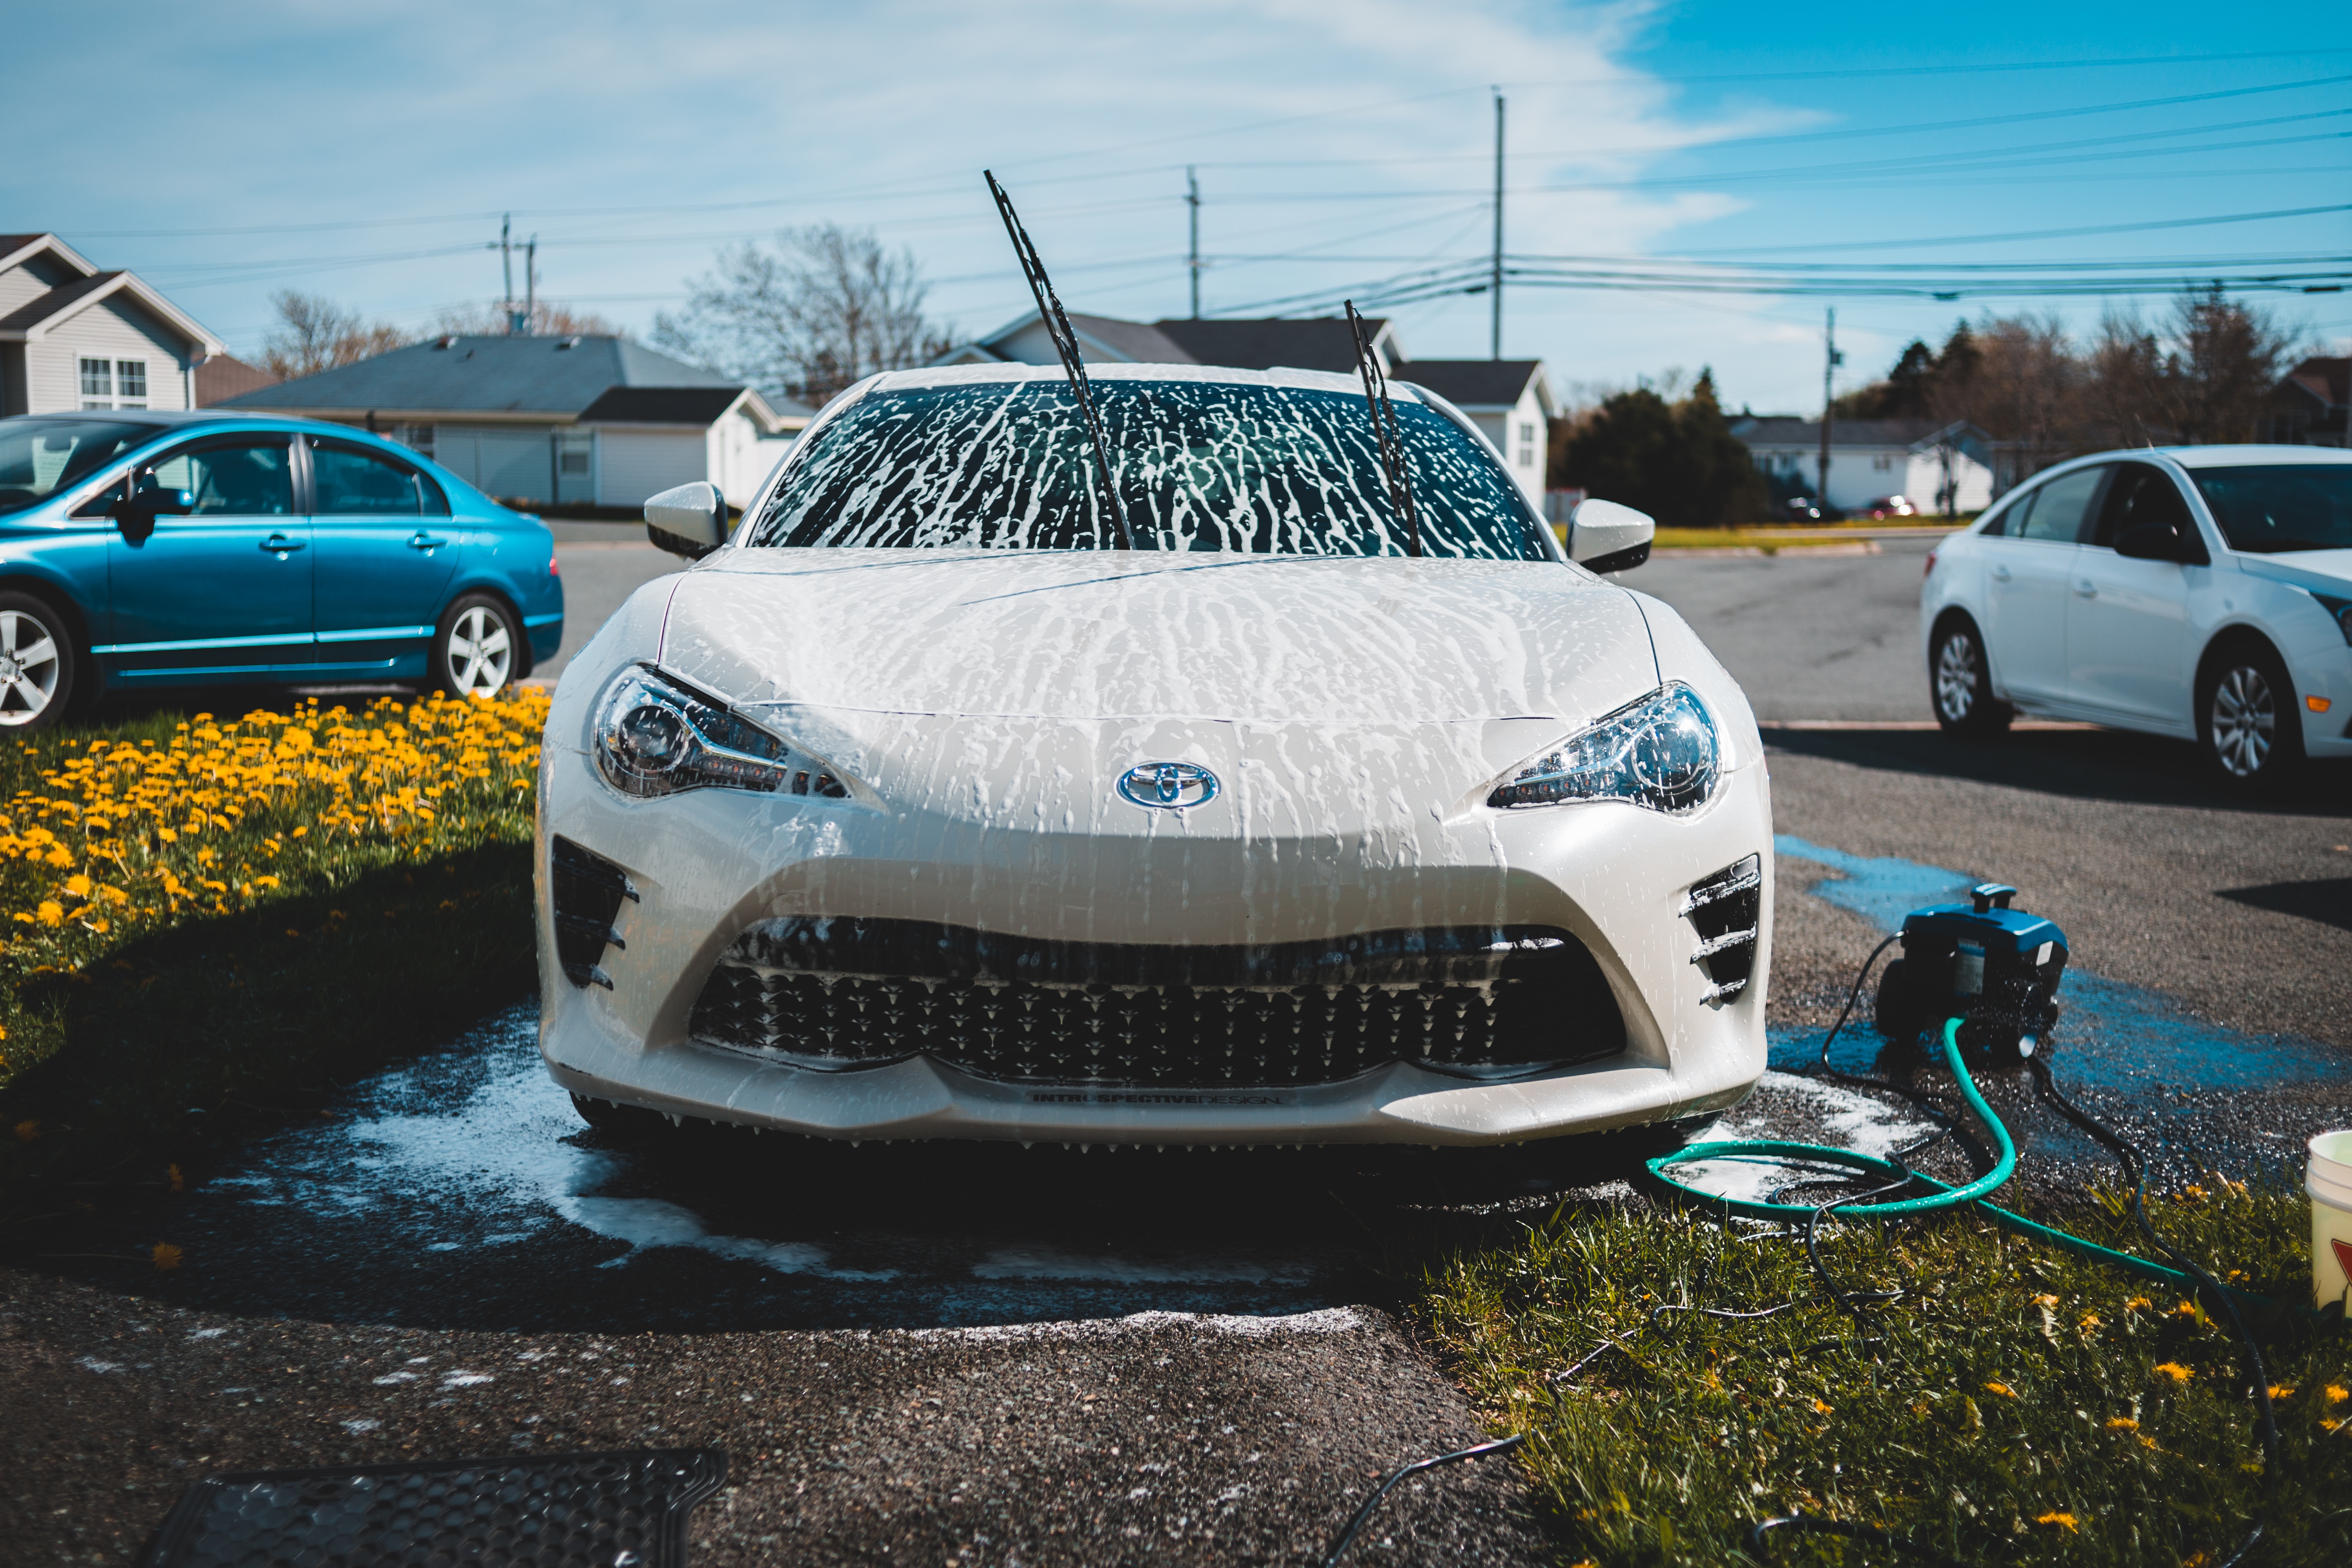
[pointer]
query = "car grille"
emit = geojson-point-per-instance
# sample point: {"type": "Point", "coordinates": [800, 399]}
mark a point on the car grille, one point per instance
{"type": "Point", "coordinates": [588, 891]}
{"type": "Point", "coordinates": [1727, 909]}
{"type": "Point", "coordinates": [1478, 1002]}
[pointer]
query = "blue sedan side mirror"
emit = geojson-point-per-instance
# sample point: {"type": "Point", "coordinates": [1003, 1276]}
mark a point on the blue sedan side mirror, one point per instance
{"type": "Point", "coordinates": [136, 513]}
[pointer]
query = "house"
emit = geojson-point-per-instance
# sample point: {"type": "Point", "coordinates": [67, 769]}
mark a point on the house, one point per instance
{"type": "Point", "coordinates": [1510, 400]}
{"type": "Point", "coordinates": [73, 337]}
{"type": "Point", "coordinates": [1939, 467]}
{"type": "Point", "coordinates": [585, 421]}
{"type": "Point", "coordinates": [2309, 406]}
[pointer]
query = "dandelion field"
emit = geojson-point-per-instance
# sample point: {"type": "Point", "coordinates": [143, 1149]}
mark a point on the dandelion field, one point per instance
{"type": "Point", "coordinates": [2016, 1405]}
{"type": "Point", "coordinates": [208, 923]}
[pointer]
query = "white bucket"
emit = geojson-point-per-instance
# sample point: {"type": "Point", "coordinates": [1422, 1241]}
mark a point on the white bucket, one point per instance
{"type": "Point", "coordinates": [2330, 1183]}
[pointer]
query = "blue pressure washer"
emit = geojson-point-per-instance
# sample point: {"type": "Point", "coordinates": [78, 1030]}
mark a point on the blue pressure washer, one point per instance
{"type": "Point", "coordinates": [1994, 968]}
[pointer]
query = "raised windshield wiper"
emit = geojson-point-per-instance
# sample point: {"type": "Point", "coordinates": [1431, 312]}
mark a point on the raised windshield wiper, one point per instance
{"type": "Point", "coordinates": [1066, 343]}
{"type": "Point", "coordinates": [1384, 430]}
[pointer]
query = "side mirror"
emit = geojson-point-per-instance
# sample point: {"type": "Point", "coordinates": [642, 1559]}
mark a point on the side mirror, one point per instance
{"type": "Point", "coordinates": [689, 521]}
{"type": "Point", "coordinates": [2148, 541]}
{"type": "Point", "coordinates": [1606, 537]}
{"type": "Point", "coordinates": [135, 513]}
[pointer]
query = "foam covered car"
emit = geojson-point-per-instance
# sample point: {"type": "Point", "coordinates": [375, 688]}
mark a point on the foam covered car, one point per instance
{"type": "Point", "coordinates": [920, 809]}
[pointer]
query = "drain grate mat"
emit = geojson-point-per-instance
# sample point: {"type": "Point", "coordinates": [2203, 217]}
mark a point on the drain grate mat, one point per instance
{"type": "Point", "coordinates": [623, 1510]}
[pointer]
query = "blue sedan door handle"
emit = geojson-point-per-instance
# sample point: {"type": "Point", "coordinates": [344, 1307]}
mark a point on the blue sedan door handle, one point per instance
{"type": "Point", "coordinates": [280, 545]}
{"type": "Point", "coordinates": [423, 541]}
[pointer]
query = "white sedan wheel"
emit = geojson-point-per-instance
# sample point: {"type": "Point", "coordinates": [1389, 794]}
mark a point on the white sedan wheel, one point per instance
{"type": "Point", "coordinates": [2244, 722]}
{"type": "Point", "coordinates": [478, 653]}
{"type": "Point", "coordinates": [29, 668]}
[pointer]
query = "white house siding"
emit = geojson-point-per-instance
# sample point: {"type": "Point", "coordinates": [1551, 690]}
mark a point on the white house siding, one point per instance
{"type": "Point", "coordinates": [1526, 459]}
{"type": "Point", "coordinates": [1860, 475]}
{"type": "Point", "coordinates": [738, 457]}
{"type": "Point", "coordinates": [113, 329]}
{"type": "Point", "coordinates": [1971, 479]}
{"type": "Point", "coordinates": [29, 280]}
{"type": "Point", "coordinates": [635, 464]}
{"type": "Point", "coordinates": [503, 460]}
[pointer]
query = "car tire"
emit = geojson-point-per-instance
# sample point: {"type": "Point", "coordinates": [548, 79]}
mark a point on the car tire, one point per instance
{"type": "Point", "coordinates": [2247, 721]}
{"type": "Point", "coordinates": [478, 648]}
{"type": "Point", "coordinates": [1959, 683]}
{"type": "Point", "coordinates": [36, 691]}
{"type": "Point", "coordinates": [623, 1125]}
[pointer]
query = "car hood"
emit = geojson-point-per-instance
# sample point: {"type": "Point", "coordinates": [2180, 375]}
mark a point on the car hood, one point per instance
{"type": "Point", "coordinates": [2313, 570]}
{"type": "Point", "coordinates": [1269, 639]}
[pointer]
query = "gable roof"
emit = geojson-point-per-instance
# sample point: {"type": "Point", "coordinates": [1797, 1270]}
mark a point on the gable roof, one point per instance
{"type": "Point", "coordinates": [2324, 378]}
{"type": "Point", "coordinates": [694, 407]}
{"type": "Point", "coordinates": [36, 317]}
{"type": "Point", "coordinates": [1478, 382]}
{"type": "Point", "coordinates": [547, 376]}
{"type": "Point", "coordinates": [1321, 343]}
{"type": "Point", "coordinates": [17, 248]}
{"type": "Point", "coordinates": [225, 376]}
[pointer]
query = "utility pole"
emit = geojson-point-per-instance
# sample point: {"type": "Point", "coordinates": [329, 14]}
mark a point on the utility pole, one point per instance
{"type": "Point", "coordinates": [530, 285]}
{"type": "Point", "coordinates": [1192, 200]}
{"type": "Point", "coordinates": [506, 262]}
{"type": "Point", "coordinates": [1495, 283]}
{"type": "Point", "coordinates": [1831, 360]}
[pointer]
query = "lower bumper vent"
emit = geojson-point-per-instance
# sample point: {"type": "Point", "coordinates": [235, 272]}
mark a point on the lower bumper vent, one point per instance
{"type": "Point", "coordinates": [1476, 1001]}
{"type": "Point", "coordinates": [588, 892]}
{"type": "Point", "coordinates": [1727, 911]}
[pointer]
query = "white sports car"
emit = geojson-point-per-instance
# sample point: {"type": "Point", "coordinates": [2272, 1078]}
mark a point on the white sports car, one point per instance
{"type": "Point", "coordinates": [917, 810]}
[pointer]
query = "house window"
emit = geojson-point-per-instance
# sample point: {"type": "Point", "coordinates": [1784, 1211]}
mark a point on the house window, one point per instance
{"type": "Point", "coordinates": [418, 438]}
{"type": "Point", "coordinates": [114, 384]}
{"type": "Point", "coordinates": [1882, 463]}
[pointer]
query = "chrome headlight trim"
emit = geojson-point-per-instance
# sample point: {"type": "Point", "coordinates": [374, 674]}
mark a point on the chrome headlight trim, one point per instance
{"type": "Point", "coordinates": [656, 735]}
{"type": "Point", "coordinates": [1661, 752]}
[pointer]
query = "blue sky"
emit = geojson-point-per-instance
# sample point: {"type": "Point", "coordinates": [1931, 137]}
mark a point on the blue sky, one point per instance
{"type": "Point", "coordinates": [367, 154]}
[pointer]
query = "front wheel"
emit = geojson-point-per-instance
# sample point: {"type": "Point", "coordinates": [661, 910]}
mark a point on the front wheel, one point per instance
{"type": "Point", "coordinates": [2246, 719]}
{"type": "Point", "coordinates": [1960, 684]}
{"type": "Point", "coordinates": [476, 646]}
{"type": "Point", "coordinates": [36, 663]}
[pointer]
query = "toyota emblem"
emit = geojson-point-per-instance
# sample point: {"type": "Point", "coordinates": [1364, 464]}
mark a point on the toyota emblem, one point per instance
{"type": "Point", "coordinates": [1167, 786]}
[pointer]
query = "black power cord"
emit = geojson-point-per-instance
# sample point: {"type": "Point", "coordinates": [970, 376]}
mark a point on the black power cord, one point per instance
{"type": "Point", "coordinates": [1348, 1536]}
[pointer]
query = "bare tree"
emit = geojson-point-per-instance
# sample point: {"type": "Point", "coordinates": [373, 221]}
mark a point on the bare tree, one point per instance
{"type": "Point", "coordinates": [826, 307]}
{"type": "Point", "coordinates": [488, 319]}
{"type": "Point", "coordinates": [315, 333]}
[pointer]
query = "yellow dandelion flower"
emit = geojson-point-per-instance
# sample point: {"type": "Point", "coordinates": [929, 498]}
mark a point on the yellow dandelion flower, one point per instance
{"type": "Point", "coordinates": [2174, 1370]}
{"type": "Point", "coordinates": [2122, 1424]}
{"type": "Point", "coordinates": [51, 913]}
{"type": "Point", "coordinates": [178, 1182]}
{"type": "Point", "coordinates": [2338, 1394]}
{"type": "Point", "coordinates": [167, 1256]}
{"type": "Point", "coordinates": [1824, 1409]}
{"type": "Point", "coordinates": [78, 885]}
{"type": "Point", "coordinates": [2281, 1390]}
{"type": "Point", "coordinates": [2090, 1321]}
{"type": "Point", "coordinates": [2002, 1389]}
{"type": "Point", "coordinates": [2063, 1520]}
{"type": "Point", "coordinates": [2045, 1300]}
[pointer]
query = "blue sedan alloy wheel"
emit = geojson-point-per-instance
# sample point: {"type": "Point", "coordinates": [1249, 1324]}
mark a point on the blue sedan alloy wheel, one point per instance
{"type": "Point", "coordinates": [473, 651]}
{"type": "Point", "coordinates": [37, 664]}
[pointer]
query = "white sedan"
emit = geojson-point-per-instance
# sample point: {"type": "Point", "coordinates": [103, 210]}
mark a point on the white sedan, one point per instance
{"type": "Point", "coordinates": [915, 810]}
{"type": "Point", "coordinates": [2198, 592]}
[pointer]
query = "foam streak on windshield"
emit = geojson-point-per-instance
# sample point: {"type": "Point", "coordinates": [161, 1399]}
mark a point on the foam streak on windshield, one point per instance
{"type": "Point", "coordinates": [1199, 466]}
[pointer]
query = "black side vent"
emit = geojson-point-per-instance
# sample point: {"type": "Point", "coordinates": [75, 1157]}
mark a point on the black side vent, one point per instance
{"type": "Point", "coordinates": [1727, 911]}
{"type": "Point", "coordinates": [588, 894]}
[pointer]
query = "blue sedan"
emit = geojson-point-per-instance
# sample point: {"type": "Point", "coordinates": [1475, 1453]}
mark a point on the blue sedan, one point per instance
{"type": "Point", "coordinates": [141, 549]}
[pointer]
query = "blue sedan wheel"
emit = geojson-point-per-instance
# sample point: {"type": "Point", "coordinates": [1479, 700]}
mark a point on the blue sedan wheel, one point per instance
{"type": "Point", "coordinates": [475, 648]}
{"type": "Point", "coordinates": [36, 663]}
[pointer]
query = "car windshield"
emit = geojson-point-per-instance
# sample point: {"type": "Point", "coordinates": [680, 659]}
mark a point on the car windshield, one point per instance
{"type": "Point", "coordinates": [2281, 507]}
{"type": "Point", "coordinates": [40, 458]}
{"type": "Point", "coordinates": [1198, 465]}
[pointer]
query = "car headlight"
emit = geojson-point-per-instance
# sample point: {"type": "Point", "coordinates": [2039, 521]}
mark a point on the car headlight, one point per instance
{"type": "Point", "coordinates": [2339, 608]}
{"type": "Point", "coordinates": [656, 736]}
{"type": "Point", "coordinates": [1661, 753]}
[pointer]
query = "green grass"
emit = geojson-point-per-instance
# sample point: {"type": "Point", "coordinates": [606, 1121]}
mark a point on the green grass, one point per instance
{"type": "Point", "coordinates": [213, 926]}
{"type": "Point", "coordinates": [2016, 1405]}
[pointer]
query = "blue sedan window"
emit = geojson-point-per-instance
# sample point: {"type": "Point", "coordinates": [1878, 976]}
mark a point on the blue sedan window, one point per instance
{"type": "Point", "coordinates": [41, 457]}
{"type": "Point", "coordinates": [352, 483]}
{"type": "Point", "coordinates": [244, 480]}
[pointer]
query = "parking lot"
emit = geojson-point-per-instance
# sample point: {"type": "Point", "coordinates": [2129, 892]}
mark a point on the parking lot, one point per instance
{"type": "Point", "coordinates": [1045, 1355]}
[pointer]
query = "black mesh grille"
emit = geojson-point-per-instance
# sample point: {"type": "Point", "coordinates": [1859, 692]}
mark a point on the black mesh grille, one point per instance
{"type": "Point", "coordinates": [588, 891]}
{"type": "Point", "coordinates": [1482, 1001]}
{"type": "Point", "coordinates": [1725, 909]}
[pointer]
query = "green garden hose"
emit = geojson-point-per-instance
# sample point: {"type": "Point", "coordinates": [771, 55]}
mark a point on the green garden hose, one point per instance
{"type": "Point", "coordinates": [1942, 1196]}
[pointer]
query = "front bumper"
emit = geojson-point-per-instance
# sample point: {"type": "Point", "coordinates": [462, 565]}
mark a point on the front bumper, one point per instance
{"type": "Point", "coordinates": [1613, 875]}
